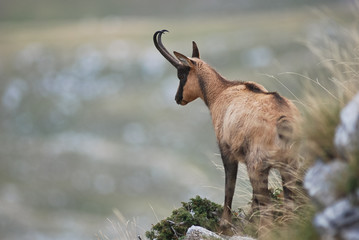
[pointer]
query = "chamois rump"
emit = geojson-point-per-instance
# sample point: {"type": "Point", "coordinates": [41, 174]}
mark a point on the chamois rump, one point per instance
{"type": "Point", "coordinates": [252, 126]}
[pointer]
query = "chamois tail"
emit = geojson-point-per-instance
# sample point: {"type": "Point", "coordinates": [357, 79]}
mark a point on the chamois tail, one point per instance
{"type": "Point", "coordinates": [284, 129]}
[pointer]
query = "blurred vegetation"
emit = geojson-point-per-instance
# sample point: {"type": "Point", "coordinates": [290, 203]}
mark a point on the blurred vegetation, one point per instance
{"type": "Point", "coordinates": [88, 119]}
{"type": "Point", "coordinates": [40, 10]}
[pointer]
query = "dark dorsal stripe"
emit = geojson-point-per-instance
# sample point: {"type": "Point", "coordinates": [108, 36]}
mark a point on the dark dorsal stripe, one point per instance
{"type": "Point", "coordinates": [280, 100]}
{"type": "Point", "coordinates": [254, 88]}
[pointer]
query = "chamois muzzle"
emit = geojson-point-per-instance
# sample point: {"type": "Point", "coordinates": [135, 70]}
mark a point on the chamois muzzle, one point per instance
{"type": "Point", "coordinates": [158, 43]}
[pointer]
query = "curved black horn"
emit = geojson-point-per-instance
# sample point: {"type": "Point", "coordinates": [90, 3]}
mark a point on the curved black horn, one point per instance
{"type": "Point", "coordinates": [158, 43]}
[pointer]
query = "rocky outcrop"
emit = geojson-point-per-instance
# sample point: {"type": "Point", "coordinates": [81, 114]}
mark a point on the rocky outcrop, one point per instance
{"type": "Point", "coordinates": [321, 181]}
{"type": "Point", "coordinates": [339, 215]}
{"type": "Point", "coordinates": [338, 221]}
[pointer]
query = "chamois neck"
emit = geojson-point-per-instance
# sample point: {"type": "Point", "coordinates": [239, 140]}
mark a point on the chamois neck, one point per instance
{"type": "Point", "coordinates": [212, 84]}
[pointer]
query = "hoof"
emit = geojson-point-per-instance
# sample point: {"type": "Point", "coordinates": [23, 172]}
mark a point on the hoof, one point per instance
{"type": "Point", "coordinates": [224, 223]}
{"type": "Point", "coordinates": [225, 227]}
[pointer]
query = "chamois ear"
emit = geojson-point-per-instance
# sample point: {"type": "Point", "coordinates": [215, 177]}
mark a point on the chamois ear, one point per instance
{"type": "Point", "coordinates": [183, 59]}
{"type": "Point", "coordinates": [195, 52]}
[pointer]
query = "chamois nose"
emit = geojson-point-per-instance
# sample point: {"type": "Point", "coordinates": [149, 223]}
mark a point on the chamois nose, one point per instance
{"type": "Point", "coordinates": [183, 102]}
{"type": "Point", "coordinates": [178, 98]}
{"type": "Point", "coordinates": [180, 101]}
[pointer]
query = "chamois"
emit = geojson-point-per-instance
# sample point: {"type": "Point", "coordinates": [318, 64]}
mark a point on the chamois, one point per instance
{"type": "Point", "coordinates": [252, 126]}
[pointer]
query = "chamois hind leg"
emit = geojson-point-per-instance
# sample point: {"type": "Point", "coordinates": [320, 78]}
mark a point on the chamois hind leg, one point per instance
{"type": "Point", "coordinates": [230, 170]}
{"type": "Point", "coordinates": [289, 181]}
{"type": "Point", "coordinates": [261, 197]}
{"type": "Point", "coordinates": [259, 182]}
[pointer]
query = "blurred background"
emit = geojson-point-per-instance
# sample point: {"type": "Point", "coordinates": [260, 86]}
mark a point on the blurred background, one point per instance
{"type": "Point", "coordinates": [88, 120]}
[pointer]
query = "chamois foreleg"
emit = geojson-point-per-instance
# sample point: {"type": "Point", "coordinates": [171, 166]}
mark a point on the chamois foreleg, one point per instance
{"type": "Point", "coordinates": [230, 170]}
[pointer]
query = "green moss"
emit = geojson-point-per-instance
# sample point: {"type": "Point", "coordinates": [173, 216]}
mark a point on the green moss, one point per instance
{"type": "Point", "coordinates": [199, 212]}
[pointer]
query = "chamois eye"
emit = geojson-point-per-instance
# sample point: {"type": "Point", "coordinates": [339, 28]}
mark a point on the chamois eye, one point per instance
{"type": "Point", "coordinates": [180, 76]}
{"type": "Point", "coordinates": [182, 73]}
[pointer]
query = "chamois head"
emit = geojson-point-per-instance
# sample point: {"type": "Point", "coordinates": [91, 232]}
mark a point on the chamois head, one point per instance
{"type": "Point", "coordinates": [188, 89]}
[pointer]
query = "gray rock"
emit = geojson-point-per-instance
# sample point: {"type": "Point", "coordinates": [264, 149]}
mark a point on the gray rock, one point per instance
{"type": "Point", "coordinates": [351, 233]}
{"type": "Point", "coordinates": [340, 219]}
{"type": "Point", "coordinates": [321, 181]}
{"type": "Point", "coordinates": [241, 238]}
{"type": "Point", "coordinates": [200, 233]}
{"type": "Point", "coordinates": [347, 133]}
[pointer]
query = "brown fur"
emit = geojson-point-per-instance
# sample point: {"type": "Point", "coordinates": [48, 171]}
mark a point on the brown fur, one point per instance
{"type": "Point", "coordinates": [252, 126]}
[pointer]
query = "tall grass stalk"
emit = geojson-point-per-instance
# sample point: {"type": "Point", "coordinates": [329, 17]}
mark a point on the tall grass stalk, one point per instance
{"type": "Point", "coordinates": [120, 229]}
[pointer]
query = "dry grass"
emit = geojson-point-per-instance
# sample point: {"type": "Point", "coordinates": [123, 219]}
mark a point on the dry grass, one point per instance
{"type": "Point", "coordinates": [120, 229]}
{"type": "Point", "coordinates": [339, 58]}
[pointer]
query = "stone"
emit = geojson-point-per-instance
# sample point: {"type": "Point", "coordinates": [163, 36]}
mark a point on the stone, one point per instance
{"type": "Point", "coordinates": [241, 238]}
{"type": "Point", "coordinates": [321, 181]}
{"type": "Point", "coordinates": [351, 233]}
{"type": "Point", "coordinates": [200, 233]}
{"type": "Point", "coordinates": [347, 133]}
{"type": "Point", "coordinates": [339, 219]}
